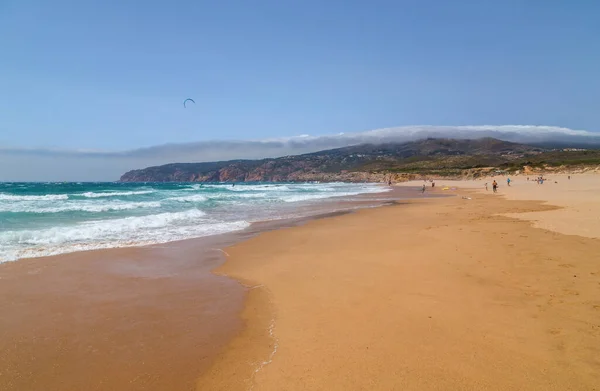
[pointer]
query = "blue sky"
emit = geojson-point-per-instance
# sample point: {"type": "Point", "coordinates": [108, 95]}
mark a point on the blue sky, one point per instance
{"type": "Point", "coordinates": [112, 75]}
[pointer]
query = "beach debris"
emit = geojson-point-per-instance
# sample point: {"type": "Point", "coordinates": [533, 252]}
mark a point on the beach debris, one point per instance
{"type": "Point", "coordinates": [466, 198]}
{"type": "Point", "coordinates": [188, 99]}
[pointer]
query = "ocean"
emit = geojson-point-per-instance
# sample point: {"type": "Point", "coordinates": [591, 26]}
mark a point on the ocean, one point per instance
{"type": "Point", "coordinates": [42, 219]}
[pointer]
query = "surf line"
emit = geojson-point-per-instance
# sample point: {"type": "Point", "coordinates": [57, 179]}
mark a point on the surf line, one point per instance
{"type": "Point", "coordinates": [223, 251]}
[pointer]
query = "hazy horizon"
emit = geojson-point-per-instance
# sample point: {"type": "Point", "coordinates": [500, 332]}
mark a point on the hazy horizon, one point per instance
{"type": "Point", "coordinates": [91, 90]}
{"type": "Point", "coordinates": [45, 164]}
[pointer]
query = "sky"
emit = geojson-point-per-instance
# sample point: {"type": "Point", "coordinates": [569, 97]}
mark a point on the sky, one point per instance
{"type": "Point", "coordinates": [90, 89]}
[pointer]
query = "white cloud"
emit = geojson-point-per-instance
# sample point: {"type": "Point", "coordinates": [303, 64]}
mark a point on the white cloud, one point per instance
{"type": "Point", "coordinates": [28, 164]}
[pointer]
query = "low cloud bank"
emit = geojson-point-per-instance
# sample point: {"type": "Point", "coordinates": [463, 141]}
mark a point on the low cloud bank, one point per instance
{"type": "Point", "coordinates": [21, 164]}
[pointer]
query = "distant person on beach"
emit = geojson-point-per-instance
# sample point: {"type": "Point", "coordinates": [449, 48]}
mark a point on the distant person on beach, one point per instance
{"type": "Point", "coordinates": [486, 187]}
{"type": "Point", "coordinates": [423, 191]}
{"type": "Point", "coordinates": [569, 177]}
{"type": "Point", "coordinates": [494, 185]}
{"type": "Point", "coordinates": [432, 184]}
{"type": "Point", "coordinates": [508, 181]}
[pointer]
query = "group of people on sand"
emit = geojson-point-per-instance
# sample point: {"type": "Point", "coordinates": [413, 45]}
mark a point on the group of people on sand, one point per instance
{"type": "Point", "coordinates": [389, 182]}
{"type": "Point", "coordinates": [540, 180]}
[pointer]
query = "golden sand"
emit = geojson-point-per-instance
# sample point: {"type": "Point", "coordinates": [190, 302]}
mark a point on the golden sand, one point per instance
{"type": "Point", "coordinates": [577, 197]}
{"type": "Point", "coordinates": [485, 292]}
{"type": "Point", "coordinates": [440, 294]}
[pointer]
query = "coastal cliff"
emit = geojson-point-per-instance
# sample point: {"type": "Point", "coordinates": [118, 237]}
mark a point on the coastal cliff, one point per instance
{"type": "Point", "coordinates": [371, 163]}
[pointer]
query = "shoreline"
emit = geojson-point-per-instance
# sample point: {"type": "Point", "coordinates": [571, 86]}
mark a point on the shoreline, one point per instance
{"type": "Point", "coordinates": [425, 293]}
{"type": "Point", "coordinates": [315, 209]}
{"type": "Point", "coordinates": [150, 303]}
{"type": "Point", "coordinates": [532, 312]}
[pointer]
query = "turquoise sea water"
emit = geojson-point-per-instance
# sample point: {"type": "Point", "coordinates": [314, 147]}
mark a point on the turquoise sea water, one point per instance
{"type": "Point", "coordinates": [39, 219]}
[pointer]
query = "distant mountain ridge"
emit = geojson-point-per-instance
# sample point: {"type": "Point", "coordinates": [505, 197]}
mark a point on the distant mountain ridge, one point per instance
{"type": "Point", "coordinates": [355, 163]}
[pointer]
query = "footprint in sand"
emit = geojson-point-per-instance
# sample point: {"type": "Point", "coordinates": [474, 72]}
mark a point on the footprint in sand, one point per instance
{"type": "Point", "coordinates": [570, 292]}
{"type": "Point", "coordinates": [553, 301]}
{"type": "Point", "coordinates": [568, 265]}
{"type": "Point", "coordinates": [555, 331]}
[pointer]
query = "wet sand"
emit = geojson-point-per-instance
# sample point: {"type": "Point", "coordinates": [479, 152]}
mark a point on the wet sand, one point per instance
{"type": "Point", "coordinates": [444, 294]}
{"type": "Point", "coordinates": [125, 319]}
{"type": "Point", "coordinates": [145, 318]}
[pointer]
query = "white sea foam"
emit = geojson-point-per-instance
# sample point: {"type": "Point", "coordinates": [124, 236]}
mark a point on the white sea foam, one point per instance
{"type": "Point", "coordinates": [239, 195]}
{"type": "Point", "coordinates": [192, 198]}
{"type": "Point", "coordinates": [98, 229]}
{"type": "Point", "coordinates": [239, 188]}
{"type": "Point", "coordinates": [76, 207]}
{"type": "Point", "coordinates": [87, 220]}
{"type": "Point", "coordinates": [91, 194]}
{"type": "Point", "coordinates": [125, 232]}
{"type": "Point", "coordinates": [47, 197]}
{"type": "Point", "coordinates": [262, 188]}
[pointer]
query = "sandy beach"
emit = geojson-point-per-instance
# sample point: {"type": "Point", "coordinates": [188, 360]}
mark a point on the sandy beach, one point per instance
{"type": "Point", "coordinates": [437, 294]}
{"type": "Point", "coordinates": [577, 199]}
{"type": "Point", "coordinates": [475, 291]}
{"type": "Point", "coordinates": [299, 196]}
{"type": "Point", "coordinates": [139, 318]}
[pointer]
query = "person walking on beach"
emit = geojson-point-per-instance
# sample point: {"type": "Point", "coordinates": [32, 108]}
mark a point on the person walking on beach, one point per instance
{"type": "Point", "coordinates": [423, 191]}
{"type": "Point", "coordinates": [486, 188]}
{"type": "Point", "coordinates": [494, 185]}
{"type": "Point", "coordinates": [508, 181]}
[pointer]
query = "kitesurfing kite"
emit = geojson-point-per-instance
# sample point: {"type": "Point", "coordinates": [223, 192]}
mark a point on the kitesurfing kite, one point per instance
{"type": "Point", "coordinates": [191, 100]}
